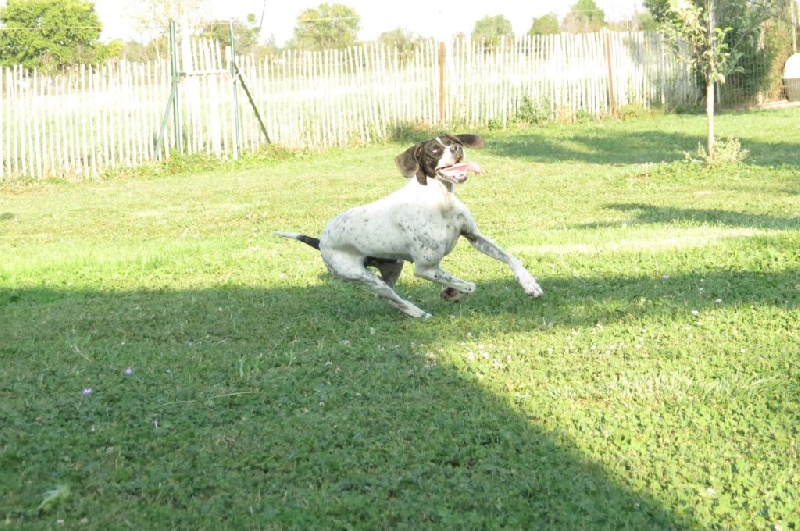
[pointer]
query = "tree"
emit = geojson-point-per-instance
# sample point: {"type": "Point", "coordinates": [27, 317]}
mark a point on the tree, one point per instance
{"type": "Point", "coordinates": [328, 26]}
{"type": "Point", "coordinates": [760, 33]}
{"type": "Point", "coordinates": [404, 42]}
{"type": "Point", "coordinates": [545, 25]}
{"type": "Point", "coordinates": [153, 16]}
{"type": "Point", "coordinates": [711, 52]}
{"type": "Point", "coordinates": [584, 17]}
{"type": "Point", "coordinates": [136, 51]}
{"type": "Point", "coordinates": [245, 34]}
{"type": "Point", "coordinates": [50, 35]}
{"type": "Point", "coordinates": [492, 30]}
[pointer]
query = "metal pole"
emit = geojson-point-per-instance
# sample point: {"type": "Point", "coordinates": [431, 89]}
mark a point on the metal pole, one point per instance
{"type": "Point", "coordinates": [176, 101]}
{"type": "Point", "coordinates": [232, 60]}
{"type": "Point", "coordinates": [172, 102]}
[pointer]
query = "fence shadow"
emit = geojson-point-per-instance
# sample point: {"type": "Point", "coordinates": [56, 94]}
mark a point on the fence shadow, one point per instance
{"type": "Point", "coordinates": [272, 410]}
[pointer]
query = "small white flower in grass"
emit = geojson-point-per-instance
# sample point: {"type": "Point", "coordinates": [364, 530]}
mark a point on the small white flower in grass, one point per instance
{"type": "Point", "coordinates": [717, 300]}
{"type": "Point", "coordinates": [744, 350]}
{"type": "Point", "coordinates": [695, 312]}
{"type": "Point", "coordinates": [87, 391]}
{"type": "Point", "coordinates": [128, 371]}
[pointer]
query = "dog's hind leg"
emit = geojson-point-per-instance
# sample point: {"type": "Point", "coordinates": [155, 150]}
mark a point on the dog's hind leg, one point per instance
{"type": "Point", "coordinates": [390, 272]}
{"type": "Point", "coordinates": [351, 268]}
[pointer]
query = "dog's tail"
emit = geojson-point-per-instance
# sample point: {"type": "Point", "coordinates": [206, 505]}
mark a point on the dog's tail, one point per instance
{"type": "Point", "coordinates": [369, 261]}
{"type": "Point", "coordinates": [308, 240]}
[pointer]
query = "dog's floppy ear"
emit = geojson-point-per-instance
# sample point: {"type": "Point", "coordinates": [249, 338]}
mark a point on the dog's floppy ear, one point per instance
{"type": "Point", "coordinates": [472, 141]}
{"type": "Point", "coordinates": [408, 163]}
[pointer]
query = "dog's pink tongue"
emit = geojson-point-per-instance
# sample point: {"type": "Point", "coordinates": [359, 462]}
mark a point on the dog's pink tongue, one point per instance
{"type": "Point", "coordinates": [461, 169]}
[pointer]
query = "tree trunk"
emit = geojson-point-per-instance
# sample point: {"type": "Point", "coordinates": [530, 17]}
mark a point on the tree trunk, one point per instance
{"type": "Point", "coordinates": [710, 118]}
{"type": "Point", "coordinates": [711, 77]}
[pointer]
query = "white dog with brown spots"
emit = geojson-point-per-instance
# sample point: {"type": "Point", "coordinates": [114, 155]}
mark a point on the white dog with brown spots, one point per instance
{"type": "Point", "coordinates": [419, 223]}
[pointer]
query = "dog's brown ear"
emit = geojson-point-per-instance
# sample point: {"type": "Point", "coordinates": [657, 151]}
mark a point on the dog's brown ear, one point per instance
{"type": "Point", "coordinates": [408, 163]}
{"type": "Point", "coordinates": [472, 141]}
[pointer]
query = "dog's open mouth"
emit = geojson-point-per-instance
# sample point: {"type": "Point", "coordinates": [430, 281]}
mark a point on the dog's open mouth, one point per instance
{"type": "Point", "coordinates": [457, 173]}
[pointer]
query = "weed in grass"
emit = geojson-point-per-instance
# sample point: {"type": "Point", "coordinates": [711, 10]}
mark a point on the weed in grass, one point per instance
{"type": "Point", "coordinates": [727, 152]}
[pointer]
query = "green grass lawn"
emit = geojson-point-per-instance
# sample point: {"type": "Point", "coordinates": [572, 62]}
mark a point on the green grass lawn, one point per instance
{"type": "Point", "coordinates": [167, 363]}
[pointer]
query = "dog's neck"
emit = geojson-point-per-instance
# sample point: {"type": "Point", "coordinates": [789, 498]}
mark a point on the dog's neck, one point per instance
{"type": "Point", "coordinates": [435, 187]}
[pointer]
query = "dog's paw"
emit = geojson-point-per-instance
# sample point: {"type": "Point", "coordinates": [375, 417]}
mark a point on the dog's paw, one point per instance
{"type": "Point", "coordinates": [451, 294]}
{"type": "Point", "coordinates": [534, 290]}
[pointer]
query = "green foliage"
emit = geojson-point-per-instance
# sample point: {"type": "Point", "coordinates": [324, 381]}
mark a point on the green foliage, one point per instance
{"type": "Point", "coordinates": [245, 33]}
{"type": "Point", "coordinates": [533, 112]}
{"type": "Point", "coordinates": [401, 40]}
{"type": "Point", "coordinates": [545, 25]}
{"type": "Point", "coordinates": [492, 30]}
{"type": "Point", "coordinates": [736, 33]}
{"type": "Point", "coordinates": [330, 26]}
{"type": "Point", "coordinates": [153, 50]}
{"type": "Point", "coordinates": [764, 42]}
{"type": "Point", "coordinates": [50, 35]}
{"type": "Point", "coordinates": [753, 39]}
{"type": "Point", "coordinates": [153, 16]}
{"type": "Point", "coordinates": [584, 17]}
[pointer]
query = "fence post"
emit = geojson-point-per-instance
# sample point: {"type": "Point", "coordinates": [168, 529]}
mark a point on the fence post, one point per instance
{"type": "Point", "coordinates": [442, 58]}
{"type": "Point", "coordinates": [612, 100]}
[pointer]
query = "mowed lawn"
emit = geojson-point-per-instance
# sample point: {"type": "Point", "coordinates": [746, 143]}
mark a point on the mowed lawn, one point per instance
{"type": "Point", "coordinates": [166, 363]}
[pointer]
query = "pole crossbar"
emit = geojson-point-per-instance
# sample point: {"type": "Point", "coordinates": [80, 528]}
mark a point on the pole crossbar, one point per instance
{"type": "Point", "coordinates": [173, 102]}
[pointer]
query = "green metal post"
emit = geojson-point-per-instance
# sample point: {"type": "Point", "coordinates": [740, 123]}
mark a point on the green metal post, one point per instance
{"type": "Point", "coordinates": [232, 59]}
{"type": "Point", "coordinates": [173, 103]}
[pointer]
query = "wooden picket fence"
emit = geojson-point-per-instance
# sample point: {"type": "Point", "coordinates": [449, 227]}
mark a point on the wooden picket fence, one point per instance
{"type": "Point", "coordinates": [91, 119]}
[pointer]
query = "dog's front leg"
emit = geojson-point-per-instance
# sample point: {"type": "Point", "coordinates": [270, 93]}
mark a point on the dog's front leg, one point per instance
{"type": "Point", "coordinates": [454, 287]}
{"type": "Point", "coordinates": [490, 248]}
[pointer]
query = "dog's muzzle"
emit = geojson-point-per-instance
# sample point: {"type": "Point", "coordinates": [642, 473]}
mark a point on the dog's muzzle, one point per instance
{"type": "Point", "coordinates": [457, 173]}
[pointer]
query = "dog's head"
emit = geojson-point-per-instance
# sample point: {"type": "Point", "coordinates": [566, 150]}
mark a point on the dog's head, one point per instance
{"type": "Point", "coordinates": [432, 158]}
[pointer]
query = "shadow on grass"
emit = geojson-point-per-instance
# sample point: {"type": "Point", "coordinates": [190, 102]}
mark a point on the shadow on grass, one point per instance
{"type": "Point", "coordinates": [304, 407]}
{"type": "Point", "coordinates": [607, 147]}
{"type": "Point", "coordinates": [655, 214]}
